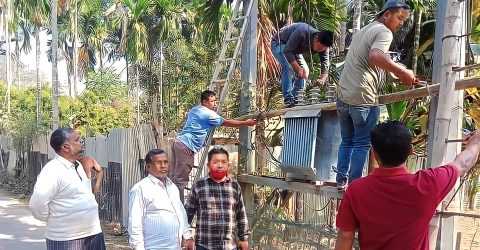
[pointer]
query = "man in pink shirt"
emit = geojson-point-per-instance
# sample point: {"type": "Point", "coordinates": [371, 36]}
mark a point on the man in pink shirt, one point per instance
{"type": "Point", "coordinates": [391, 208]}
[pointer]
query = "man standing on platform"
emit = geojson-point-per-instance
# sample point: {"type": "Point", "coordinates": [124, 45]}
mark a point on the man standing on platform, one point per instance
{"type": "Point", "coordinates": [357, 102]}
{"type": "Point", "coordinates": [200, 119]}
{"type": "Point", "coordinates": [288, 47]}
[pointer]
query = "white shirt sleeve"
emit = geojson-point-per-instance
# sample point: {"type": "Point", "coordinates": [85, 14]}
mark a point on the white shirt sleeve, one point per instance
{"type": "Point", "coordinates": [44, 191]}
{"type": "Point", "coordinates": [187, 231]}
{"type": "Point", "coordinates": [135, 219]}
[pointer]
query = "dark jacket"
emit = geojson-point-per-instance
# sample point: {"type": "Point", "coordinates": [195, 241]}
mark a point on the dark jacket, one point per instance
{"type": "Point", "coordinates": [298, 38]}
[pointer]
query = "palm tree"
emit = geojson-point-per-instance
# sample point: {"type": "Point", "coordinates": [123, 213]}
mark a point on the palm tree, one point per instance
{"type": "Point", "coordinates": [141, 26]}
{"type": "Point", "coordinates": [34, 12]}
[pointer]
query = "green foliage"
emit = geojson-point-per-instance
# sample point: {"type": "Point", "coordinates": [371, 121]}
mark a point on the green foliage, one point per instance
{"type": "Point", "coordinates": [102, 106]}
{"type": "Point", "coordinates": [186, 72]}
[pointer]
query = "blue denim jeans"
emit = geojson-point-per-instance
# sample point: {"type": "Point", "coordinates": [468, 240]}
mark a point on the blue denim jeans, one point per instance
{"type": "Point", "coordinates": [356, 123]}
{"type": "Point", "coordinates": [290, 83]}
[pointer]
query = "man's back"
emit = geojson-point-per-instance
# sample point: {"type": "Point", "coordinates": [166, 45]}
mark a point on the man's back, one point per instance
{"type": "Point", "coordinates": [392, 208]}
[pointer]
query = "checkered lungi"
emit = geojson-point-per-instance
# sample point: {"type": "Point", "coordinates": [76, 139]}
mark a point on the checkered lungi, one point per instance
{"type": "Point", "coordinates": [94, 242]}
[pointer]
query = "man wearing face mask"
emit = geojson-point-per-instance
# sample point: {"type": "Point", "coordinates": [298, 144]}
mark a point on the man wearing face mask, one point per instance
{"type": "Point", "coordinates": [217, 202]}
{"type": "Point", "coordinates": [63, 197]}
{"type": "Point", "coordinates": [357, 103]}
{"type": "Point", "coordinates": [157, 218]}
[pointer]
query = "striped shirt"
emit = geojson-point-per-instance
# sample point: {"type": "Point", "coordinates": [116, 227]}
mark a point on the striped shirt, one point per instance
{"type": "Point", "coordinates": [221, 214]}
{"type": "Point", "coordinates": [157, 218]}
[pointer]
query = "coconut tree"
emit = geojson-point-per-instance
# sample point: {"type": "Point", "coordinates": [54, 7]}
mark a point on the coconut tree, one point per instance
{"type": "Point", "coordinates": [141, 26]}
{"type": "Point", "coordinates": [55, 84]}
{"type": "Point", "coordinates": [34, 12]}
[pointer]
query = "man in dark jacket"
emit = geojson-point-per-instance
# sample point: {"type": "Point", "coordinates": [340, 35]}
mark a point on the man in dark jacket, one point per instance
{"type": "Point", "coordinates": [288, 47]}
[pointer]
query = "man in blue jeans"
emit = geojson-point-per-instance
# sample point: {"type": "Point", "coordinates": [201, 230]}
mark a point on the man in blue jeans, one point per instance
{"type": "Point", "coordinates": [357, 103]}
{"type": "Point", "coordinates": [288, 47]}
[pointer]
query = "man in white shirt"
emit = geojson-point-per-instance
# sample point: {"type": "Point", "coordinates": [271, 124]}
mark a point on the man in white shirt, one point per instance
{"type": "Point", "coordinates": [63, 197]}
{"type": "Point", "coordinates": [157, 219]}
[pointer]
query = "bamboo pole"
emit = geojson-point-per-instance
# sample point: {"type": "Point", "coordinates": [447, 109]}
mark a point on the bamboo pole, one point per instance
{"type": "Point", "coordinates": [430, 90]}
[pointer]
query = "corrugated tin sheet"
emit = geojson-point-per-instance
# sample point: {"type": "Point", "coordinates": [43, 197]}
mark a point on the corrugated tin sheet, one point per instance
{"type": "Point", "coordinates": [310, 145]}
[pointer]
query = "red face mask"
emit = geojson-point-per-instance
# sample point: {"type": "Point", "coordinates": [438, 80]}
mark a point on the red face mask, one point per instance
{"type": "Point", "coordinates": [218, 175]}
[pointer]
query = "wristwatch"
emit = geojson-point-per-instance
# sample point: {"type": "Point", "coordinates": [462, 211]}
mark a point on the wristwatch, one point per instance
{"type": "Point", "coordinates": [188, 234]}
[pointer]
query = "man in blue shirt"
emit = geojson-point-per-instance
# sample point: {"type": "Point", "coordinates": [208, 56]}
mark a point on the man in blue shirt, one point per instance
{"type": "Point", "coordinates": [288, 47]}
{"type": "Point", "coordinates": [200, 119]}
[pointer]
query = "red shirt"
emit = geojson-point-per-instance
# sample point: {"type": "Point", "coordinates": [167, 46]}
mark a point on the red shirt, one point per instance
{"type": "Point", "coordinates": [391, 208]}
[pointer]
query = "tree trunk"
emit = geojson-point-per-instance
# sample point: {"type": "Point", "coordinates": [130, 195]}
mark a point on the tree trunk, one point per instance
{"type": "Point", "coordinates": [55, 84]}
{"type": "Point", "coordinates": [416, 41]}
{"type": "Point", "coordinates": [17, 63]}
{"type": "Point", "coordinates": [8, 56]}
{"type": "Point", "coordinates": [357, 15]}
{"type": "Point", "coordinates": [472, 191]}
{"type": "Point", "coordinates": [100, 59]}
{"type": "Point", "coordinates": [69, 81]}
{"type": "Point", "coordinates": [75, 49]}
{"type": "Point", "coordinates": [342, 37]}
{"type": "Point", "coordinates": [37, 76]}
{"type": "Point", "coordinates": [126, 67]}
{"type": "Point", "coordinates": [298, 207]}
{"type": "Point", "coordinates": [137, 80]}
{"type": "Point", "coordinates": [160, 94]}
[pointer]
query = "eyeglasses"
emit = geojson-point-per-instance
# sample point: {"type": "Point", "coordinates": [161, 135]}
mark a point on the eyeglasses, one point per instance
{"type": "Point", "coordinates": [76, 164]}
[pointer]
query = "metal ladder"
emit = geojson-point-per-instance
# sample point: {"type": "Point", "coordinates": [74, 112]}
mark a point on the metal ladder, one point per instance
{"type": "Point", "coordinates": [219, 83]}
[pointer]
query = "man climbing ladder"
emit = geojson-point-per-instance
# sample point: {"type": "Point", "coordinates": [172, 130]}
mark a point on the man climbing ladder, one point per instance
{"type": "Point", "coordinates": [200, 119]}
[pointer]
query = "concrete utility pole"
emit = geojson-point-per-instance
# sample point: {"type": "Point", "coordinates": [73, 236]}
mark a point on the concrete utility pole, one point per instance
{"type": "Point", "coordinates": [249, 80]}
{"type": "Point", "coordinates": [247, 96]}
{"type": "Point", "coordinates": [449, 52]}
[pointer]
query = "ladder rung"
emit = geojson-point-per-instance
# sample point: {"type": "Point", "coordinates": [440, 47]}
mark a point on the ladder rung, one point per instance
{"type": "Point", "coordinates": [239, 18]}
{"type": "Point", "coordinates": [227, 59]}
{"type": "Point", "coordinates": [219, 81]}
{"type": "Point", "coordinates": [233, 39]}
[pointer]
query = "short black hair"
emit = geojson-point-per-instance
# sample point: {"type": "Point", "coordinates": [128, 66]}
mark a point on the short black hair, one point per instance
{"type": "Point", "coordinates": [59, 137]}
{"type": "Point", "coordinates": [216, 151]}
{"type": "Point", "coordinates": [206, 94]}
{"type": "Point", "coordinates": [325, 37]}
{"type": "Point", "coordinates": [392, 141]}
{"type": "Point", "coordinates": [152, 153]}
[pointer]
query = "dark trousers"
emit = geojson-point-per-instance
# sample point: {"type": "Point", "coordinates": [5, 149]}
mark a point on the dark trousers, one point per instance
{"type": "Point", "coordinates": [94, 242]}
{"type": "Point", "coordinates": [182, 165]}
{"type": "Point", "coordinates": [198, 247]}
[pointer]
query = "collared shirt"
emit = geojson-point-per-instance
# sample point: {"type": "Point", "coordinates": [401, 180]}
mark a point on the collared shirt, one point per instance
{"type": "Point", "coordinates": [157, 219]}
{"type": "Point", "coordinates": [297, 38]}
{"type": "Point", "coordinates": [220, 211]}
{"type": "Point", "coordinates": [391, 208]}
{"type": "Point", "coordinates": [63, 197]}
{"type": "Point", "coordinates": [200, 120]}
